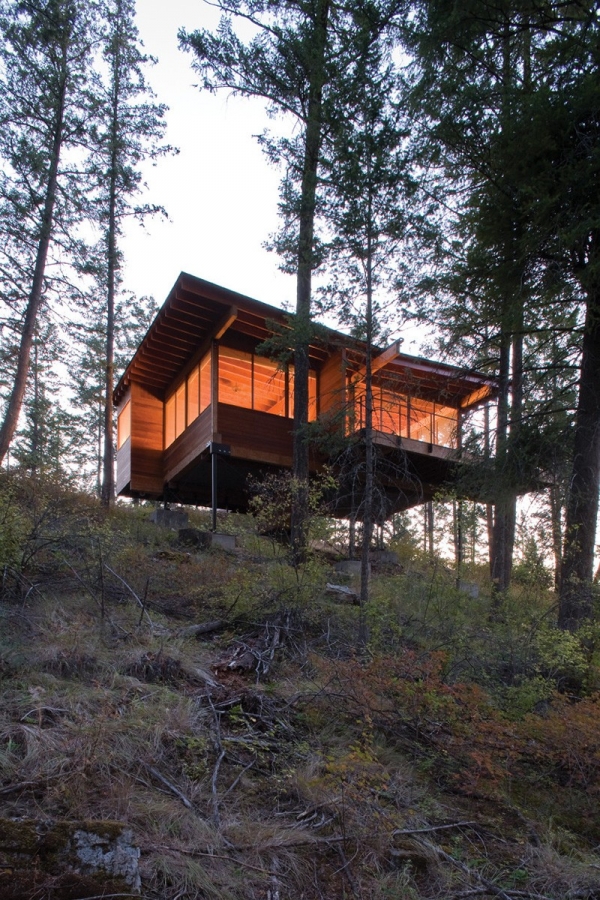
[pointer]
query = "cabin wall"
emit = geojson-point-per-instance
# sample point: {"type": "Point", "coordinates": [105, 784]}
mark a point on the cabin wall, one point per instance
{"type": "Point", "coordinates": [123, 453]}
{"type": "Point", "coordinates": [257, 436]}
{"type": "Point", "coordinates": [184, 451]}
{"type": "Point", "coordinates": [146, 441]}
{"type": "Point", "coordinates": [332, 386]}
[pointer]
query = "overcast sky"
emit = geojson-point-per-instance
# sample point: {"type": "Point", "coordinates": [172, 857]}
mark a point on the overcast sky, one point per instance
{"type": "Point", "coordinates": [219, 191]}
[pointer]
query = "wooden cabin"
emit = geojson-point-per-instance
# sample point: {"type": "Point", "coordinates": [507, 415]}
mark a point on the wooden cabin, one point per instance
{"type": "Point", "coordinates": [198, 390]}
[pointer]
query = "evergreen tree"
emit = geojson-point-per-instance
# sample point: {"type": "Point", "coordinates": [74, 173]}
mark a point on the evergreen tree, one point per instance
{"type": "Point", "coordinates": [128, 131]}
{"type": "Point", "coordinates": [293, 62]}
{"type": "Point", "coordinates": [508, 92]}
{"type": "Point", "coordinates": [42, 444]}
{"type": "Point", "coordinates": [45, 55]}
{"type": "Point", "coordinates": [365, 181]}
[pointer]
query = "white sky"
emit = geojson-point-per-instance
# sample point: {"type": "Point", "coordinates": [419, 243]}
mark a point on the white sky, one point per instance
{"type": "Point", "coordinates": [220, 192]}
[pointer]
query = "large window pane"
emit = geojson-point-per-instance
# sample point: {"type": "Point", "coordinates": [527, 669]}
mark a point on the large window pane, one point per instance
{"type": "Point", "coordinates": [269, 387]}
{"type": "Point", "coordinates": [124, 424]}
{"type": "Point", "coordinates": [235, 377]}
{"type": "Point", "coordinates": [421, 420]}
{"type": "Point", "coordinates": [446, 419]}
{"type": "Point", "coordinates": [312, 396]}
{"type": "Point", "coordinates": [205, 381]}
{"type": "Point", "coordinates": [179, 409]}
{"type": "Point", "coordinates": [193, 395]}
{"type": "Point", "coordinates": [170, 420]}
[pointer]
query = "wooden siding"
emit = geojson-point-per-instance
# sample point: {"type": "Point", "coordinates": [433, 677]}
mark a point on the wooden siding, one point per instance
{"type": "Point", "coordinates": [185, 450]}
{"type": "Point", "coordinates": [255, 435]}
{"type": "Point", "coordinates": [146, 441]}
{"type": "Point", "coordinates": [332, 386]}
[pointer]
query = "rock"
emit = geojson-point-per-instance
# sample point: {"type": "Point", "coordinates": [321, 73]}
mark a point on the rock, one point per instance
{"type": "Point", "coordinates": [67, 860]}
{"type": "Point", "coordinates": [192, 537]}
{"type": "Point", "coordinates": [384, 558]}
{"type": "Point", "coordinates": [348, 567]}
{"type": "Point", "coordinates": [169, 518]}
{"type": "Point", "coordinates": [343, 592]}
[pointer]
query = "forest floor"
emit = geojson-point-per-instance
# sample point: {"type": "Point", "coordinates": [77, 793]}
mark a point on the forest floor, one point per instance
{"type": "Point", "coordinates": [213, 702]}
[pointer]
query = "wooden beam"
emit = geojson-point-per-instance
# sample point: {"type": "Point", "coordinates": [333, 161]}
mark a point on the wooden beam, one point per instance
{"type": "Point", "coordinates": [382, 359]}
{"type": "Point", "coordinates": [217, 332]}
{"type": "Point", "coordinates": [481, 393]}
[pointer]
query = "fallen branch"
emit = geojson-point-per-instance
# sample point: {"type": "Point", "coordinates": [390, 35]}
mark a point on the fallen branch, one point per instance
{"type": "Point", "coordinates": [238, 862]}
{"type": "Point", "coordinates": [173, 788]}
{"type": "Point", "coordinates": [345, 868]}
{"type": "Point", "coordinates": [220, 757]}
{"type": "Point", "coordinates": [470, 873]}
{"type": "Point", "coordinates": [203, 628]}
{"type": "Point", "coordinates": [433, 828]}
{"type": "Point", "coordinates": [236, 781]}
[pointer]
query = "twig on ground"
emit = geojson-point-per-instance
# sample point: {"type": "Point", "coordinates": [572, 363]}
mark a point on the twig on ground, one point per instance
{"type": "Point", "coordinates": [92, 595]}
{"type": "Point", "coordinates": [345, 869]}
{"type": "Point", "coordinates": [144, 602]}
{"type": "Point", "coordinates": [236, 781]}
{"type": "Point", "coordinates": [433, 828]}
{"type": "Point", "coordinates": [470, 873]}
{"type": "Point", "coordinates": [237, 862]}
{"type": "Point", "coordinates": [131, 591]}
{"type": "Point", "coordinates": [220, 757]}
{"type": "Point", "coordinates": [173, 788]}
{"type": "Point", "coordinates": [203, 628]}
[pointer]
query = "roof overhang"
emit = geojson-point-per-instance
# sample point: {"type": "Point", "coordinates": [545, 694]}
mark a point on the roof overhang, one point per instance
{"type": "Point", "coordinates": [197, 312]}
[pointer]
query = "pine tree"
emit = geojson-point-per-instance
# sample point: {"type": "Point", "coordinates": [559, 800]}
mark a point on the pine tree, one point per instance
{"type": "Point", "coordinates": [45, 54]}
{"type": "Point", "coordinates": [128, 131]}
{"type": "Point", "coordinates": [365, 180]}
{"type": "Point", "coordinates": [294, 63]}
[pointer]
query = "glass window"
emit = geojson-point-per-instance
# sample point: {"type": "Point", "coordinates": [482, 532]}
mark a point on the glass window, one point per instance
{"type": "Point", "coordinates": [421, 421]}
{"type": "Point", "coordinates": [312, 394]}
{"type": "Point", "coordinates": [170, 420]}
{"type": "Point", "coordinates": [205, 381]}
{"type": "Point", "coordinates": [193, 395]}
{"type": "Point", "coordinates": [124, 425]}
{"type": "Point", "coordinates": [446, 420]}
{"type": "Point", "coordinates": [180, 409]}
{"type": "Point", "coordinates": [235, 377]}
{"type": "Point", "coordinates": [269, 387]}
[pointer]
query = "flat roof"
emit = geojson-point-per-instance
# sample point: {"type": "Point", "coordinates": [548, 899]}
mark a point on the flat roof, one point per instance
{"type": "Point", "coordinates": [195, 308]}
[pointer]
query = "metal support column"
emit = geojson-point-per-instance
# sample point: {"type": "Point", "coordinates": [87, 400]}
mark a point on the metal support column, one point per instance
{"type": "Point", "coordinates": [215, 451]}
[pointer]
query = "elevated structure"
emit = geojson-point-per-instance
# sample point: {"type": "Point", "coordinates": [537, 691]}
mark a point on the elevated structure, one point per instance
{"type": "Point", "coordinates": [198, 390]}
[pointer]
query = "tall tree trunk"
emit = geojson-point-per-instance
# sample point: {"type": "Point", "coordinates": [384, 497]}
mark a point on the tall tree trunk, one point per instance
{"type": "Point", "coordinates": [575, 603]}
{"type": "Point", "coordinates": [363, 631]}
{"type": "Point", "coordinates": [108, 465]}
{"type": "Point", "coordinates": [557, 535]}
{"type": "Point", "coordinates": [15, 401]}
{"type": "Point", "coordinates": [502, 507]}
{"type": "Point", "coordinates": [312, 149]}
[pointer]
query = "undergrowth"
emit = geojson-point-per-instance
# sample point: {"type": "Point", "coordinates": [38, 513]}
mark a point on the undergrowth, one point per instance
{"type": "Point", "coordinates": [214, 702]}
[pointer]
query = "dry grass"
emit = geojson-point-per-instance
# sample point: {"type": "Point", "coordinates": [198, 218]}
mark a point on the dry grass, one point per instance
{"type": "Point", "coordinates": [240, 788]}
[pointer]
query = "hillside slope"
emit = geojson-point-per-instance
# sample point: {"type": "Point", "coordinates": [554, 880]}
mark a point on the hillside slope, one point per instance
{"type": "Point", "coordinates": [212, 703]}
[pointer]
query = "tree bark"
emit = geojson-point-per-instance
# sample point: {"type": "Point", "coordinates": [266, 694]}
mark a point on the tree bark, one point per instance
{"type": "Point", "coordinates": [108, 461]}
{"type": "Point", "coordinates": [312, 149]}
{"type": "Point", "coordinates": [577, 570]}
{"type": "Point", "coordinates": [15, 401]}
{"type": "Point", "coordinates": [363, 630]}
